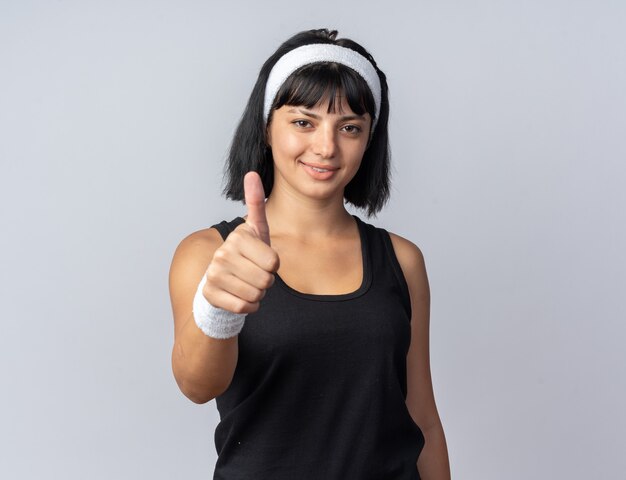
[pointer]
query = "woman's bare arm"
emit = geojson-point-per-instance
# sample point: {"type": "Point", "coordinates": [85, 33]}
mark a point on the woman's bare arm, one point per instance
{"type": "Point", "coordinates": [203, 366]}
{"type": "Point", "coordinates": [238, 272]}
{"type": "Point", "coordinates": [433, 462]}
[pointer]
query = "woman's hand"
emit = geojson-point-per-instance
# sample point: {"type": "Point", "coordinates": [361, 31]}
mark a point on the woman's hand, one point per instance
{"type": "Point", "coordinates": [243, 267]}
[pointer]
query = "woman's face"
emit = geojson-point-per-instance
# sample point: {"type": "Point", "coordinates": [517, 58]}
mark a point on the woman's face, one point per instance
{"type": "Point", "coordinates": [317, 153]}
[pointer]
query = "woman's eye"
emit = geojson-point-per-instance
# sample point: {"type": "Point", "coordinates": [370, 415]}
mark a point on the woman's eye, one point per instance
{"type": "Point", "coordinates": [301, 123]}
{"type": "Point", "coordinates": [352, 129]}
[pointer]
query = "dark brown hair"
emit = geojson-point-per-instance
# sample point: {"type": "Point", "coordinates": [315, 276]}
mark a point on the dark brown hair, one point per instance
{"type": "Point", "coordinates": [369, 189]}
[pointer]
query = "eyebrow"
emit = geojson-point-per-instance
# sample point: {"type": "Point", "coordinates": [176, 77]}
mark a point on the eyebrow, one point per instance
{"type": "Point", "coordinates": [308, 113]}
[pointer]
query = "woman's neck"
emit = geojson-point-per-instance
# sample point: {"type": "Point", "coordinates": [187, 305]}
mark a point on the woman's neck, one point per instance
{"type": "Point", "coordinates": [306, 218]}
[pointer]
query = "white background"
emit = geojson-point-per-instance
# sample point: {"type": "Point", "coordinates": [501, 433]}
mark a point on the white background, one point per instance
{"type": "Point", "coordinates": [508, 124]}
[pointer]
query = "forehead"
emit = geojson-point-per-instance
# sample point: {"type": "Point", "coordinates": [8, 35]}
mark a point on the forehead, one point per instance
{"type": "Point", "coordinates": [337, 104]}
{"type": "Point", "coordinates": [331, 87]}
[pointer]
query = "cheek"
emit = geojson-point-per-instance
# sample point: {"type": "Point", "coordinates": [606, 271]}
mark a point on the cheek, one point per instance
{"type": "Point", "coordinates": [288, 146]}
{"type": "Point", "coordinates": [357, 155]}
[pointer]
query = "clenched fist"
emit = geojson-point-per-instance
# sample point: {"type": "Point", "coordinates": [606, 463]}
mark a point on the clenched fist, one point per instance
{"type": "Point", "coordinates": [243, 267]}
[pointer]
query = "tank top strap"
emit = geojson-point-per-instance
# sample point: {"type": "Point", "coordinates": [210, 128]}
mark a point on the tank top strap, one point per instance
{"type": "Point", "coordinates": [383, 256]}
{"type": "Point", "coordinates": [225, 227]}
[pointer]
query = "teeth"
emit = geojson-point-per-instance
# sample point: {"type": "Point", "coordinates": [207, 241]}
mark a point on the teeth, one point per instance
{"type": "Point", "coordinates": [319, 169]}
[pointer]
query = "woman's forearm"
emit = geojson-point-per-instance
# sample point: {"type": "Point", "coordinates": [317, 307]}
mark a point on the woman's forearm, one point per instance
{"type": "Point", "coordinates": [203, 366]}
{"type": "Point", "coordinates": [433, 462]}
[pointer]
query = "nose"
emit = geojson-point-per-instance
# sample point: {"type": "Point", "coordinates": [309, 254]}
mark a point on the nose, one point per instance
{"type": "Point", "coordinates": [324, 142]}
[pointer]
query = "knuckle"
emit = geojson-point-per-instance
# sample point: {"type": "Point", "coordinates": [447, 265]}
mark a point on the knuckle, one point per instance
{"type": "Point", "coordinates": [210, 280]}
{"type": "Point", "coordinates": [272, 262]}
{"type": "Point", "coordinates": [257, 295]}
{"type": "Point", "coordinates": [209, 294]}
{"type": "Point", "coordinates": [240, 306]}
{"type": "Point", "coordinates": [235, 235]}
{"type": "Point", "coordinates": [220, 255]}
{"type": "Point", "coordinates": [212, 277]}
{"type": "Point", "coordinates": [268, 281]}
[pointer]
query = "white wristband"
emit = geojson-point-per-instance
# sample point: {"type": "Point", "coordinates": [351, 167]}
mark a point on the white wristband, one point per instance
{"type": "Point", "coordinates": [213, 321]}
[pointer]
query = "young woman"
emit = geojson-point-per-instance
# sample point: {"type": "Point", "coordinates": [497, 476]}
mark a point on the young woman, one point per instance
{"type": "Point", "coordinates": [307, 325]}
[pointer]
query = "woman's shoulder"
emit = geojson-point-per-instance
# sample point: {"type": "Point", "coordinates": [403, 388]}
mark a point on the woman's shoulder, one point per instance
{"type": "Point", "coordinates": [193, 255]}
{"type": "Point", "coordinates": [411, 260]}
{"type": "Point", "coordinates": [200, 240]}
{"type": "Point", "coordinates": [407, 252]}
{"type": "Point", "coordinates": [405, 248]}
{"type": "Point", "coordinates": [199, 246]}
{"type": "Point", "coordinates": [207, 240]}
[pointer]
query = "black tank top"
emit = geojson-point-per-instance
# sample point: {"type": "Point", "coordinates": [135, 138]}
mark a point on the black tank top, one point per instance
{"type": "Point", "coordinates": [319, 390]}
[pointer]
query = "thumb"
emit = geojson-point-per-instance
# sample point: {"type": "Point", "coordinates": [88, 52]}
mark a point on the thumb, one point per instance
{"type": "Point", "coordinates": [255, 201]}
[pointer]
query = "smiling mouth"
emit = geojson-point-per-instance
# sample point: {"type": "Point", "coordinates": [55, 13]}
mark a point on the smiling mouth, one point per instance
{"type": "Point", "coordinates": [319, 168]}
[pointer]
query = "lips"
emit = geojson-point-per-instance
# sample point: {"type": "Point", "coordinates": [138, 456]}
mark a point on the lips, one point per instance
{"type": "Point", "coordinates": [320, 166]}
{"type": "Point", "coordinates": [318, 171]}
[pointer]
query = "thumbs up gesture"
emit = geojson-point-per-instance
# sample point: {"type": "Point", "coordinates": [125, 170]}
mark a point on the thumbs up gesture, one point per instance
{"type": "Point", "coordinates": [243, 267]}
{"type": "Point", "coordinates": [255, 201]}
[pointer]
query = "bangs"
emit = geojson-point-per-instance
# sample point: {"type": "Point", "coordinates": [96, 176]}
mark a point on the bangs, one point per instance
{"type": "Point", "coordinates": [326, 81]}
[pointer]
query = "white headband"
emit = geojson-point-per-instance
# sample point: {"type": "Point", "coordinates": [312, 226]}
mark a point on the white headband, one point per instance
{"type": "Point", "coordinates": [315, 53]}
